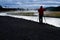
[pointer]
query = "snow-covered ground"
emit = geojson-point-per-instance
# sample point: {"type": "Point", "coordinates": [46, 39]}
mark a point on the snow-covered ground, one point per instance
{"type": "Point", "coordinates": [52, 21]}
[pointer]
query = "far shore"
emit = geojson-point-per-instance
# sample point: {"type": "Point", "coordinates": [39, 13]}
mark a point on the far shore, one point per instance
{"type": "Point", "coordinates": [55, 14]}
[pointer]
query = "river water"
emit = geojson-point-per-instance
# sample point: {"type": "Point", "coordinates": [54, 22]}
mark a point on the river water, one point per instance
{"type": "Point", "coordinates": [49, 20]}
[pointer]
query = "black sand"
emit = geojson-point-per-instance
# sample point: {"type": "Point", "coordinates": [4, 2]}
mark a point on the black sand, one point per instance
{"type": "Point", "coordinates": [21, 29]}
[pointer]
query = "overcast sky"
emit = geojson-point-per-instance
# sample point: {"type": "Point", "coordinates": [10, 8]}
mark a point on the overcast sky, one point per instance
{"type": "Point", "coordinates": [28, 3]}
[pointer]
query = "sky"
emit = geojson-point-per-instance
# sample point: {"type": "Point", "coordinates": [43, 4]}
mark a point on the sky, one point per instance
{"type": "Point", "coordinates": [28, 3]}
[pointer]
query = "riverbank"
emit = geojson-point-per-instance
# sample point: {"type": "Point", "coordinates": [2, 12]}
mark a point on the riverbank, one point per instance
{"type": "Point", "coordinates": [55, 14]}
{"type": "Point", "coordinates": [20, 29]}
{"type": "Point", "coordinates": [52, 16]}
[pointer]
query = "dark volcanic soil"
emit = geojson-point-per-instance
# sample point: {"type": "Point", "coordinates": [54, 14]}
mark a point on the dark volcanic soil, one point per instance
{"type": "Point", "coordinates": [21, 29]}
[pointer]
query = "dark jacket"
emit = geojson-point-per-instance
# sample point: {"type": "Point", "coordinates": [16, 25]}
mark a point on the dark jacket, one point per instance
{"type": "Point", "coordinates": [41, 10]}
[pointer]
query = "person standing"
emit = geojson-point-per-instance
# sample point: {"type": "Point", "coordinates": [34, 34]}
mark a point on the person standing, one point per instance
{"type": "Point", "coordinates": [41, 13]}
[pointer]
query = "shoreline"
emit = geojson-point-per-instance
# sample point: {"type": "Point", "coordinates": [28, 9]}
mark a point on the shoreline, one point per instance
{"type": "Point", "coordinates": [51, 16]}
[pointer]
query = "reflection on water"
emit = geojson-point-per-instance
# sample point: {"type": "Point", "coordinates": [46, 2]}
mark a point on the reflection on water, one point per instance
{"type": "Point", "coordinates": [52, 21]}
